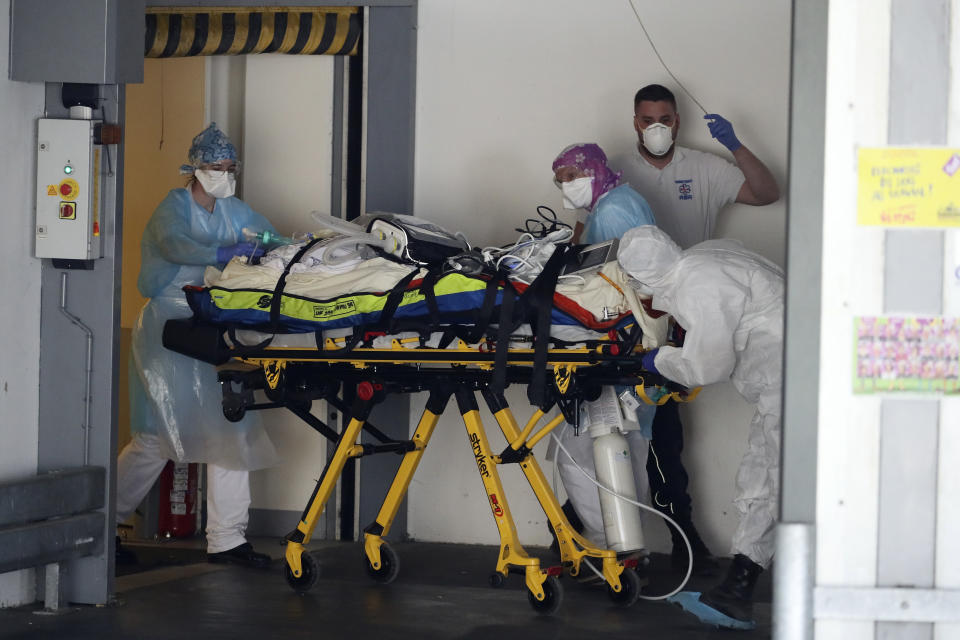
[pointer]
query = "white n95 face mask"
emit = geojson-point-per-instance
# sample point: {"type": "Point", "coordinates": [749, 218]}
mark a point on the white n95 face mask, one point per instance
{"type": "Point", "coordinates": [577, 194]}
{"type": "Point", "coordinates": [658, 138]}
{"type": "Point", "coordinates": [219, 184]}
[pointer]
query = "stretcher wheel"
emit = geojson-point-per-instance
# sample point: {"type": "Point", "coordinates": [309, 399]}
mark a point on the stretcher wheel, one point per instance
{"type": "Point", "coordinates": [389, 565]}
{"type": "Point", "coordinates": [552, 597]}
{"type": "Point", "coordinates": [497, 580]}
{"type": "Point", "coordinates": [233, 409]}
{"type": "Point", "coordinates": [308, 576]}
{"type": "Point", "coordinates": [630, 586]}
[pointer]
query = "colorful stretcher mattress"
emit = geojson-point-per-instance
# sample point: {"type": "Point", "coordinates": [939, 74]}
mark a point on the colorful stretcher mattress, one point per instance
{"type": "Point", "coordinates": [382, 294]}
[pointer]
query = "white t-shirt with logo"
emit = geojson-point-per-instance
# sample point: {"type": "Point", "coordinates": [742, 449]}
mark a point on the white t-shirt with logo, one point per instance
{"type": "Point", "coordinates": [687, 194]}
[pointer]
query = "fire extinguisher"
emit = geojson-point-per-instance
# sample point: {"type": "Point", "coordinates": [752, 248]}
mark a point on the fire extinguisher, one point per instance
{"type": "Point", "coordinates": [178, 500]}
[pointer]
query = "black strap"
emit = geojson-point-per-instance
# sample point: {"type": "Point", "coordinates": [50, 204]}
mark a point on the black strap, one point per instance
{"type": "Point", "coordinates": [394, 298]}
{"type": "Point", "coordinates": [485, 314]}
{"type": "Point", "coordinates": [430, 296]}
{"type": "Point", "coordinates": [282, 281]}
{"type": "Point", "coordinates": [537, 300]}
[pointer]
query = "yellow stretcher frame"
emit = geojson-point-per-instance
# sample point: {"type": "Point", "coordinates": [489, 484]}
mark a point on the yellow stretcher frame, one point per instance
{"type": "Point", "coordinates": [544, 591]}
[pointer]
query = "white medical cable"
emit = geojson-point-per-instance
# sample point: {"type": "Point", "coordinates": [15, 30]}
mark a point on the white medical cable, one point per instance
{"type": "Point", "coordinates": [673, 523]}
{"type": "Point", "coordinates": [660, 58]}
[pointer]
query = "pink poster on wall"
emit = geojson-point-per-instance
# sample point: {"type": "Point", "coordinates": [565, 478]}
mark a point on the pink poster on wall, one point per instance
{"type": "Point", "coordinates": [906, 354]}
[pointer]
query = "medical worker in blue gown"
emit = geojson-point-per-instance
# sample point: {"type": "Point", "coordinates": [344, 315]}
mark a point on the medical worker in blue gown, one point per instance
{"type": "Point", "coordinates": [175, 400]}
{"type": "Point", "coordinates": [587, 183]}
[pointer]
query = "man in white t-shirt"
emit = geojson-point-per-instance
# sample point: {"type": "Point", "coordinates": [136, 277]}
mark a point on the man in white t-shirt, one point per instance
{"type": "Point", "coordinates": [687, 189]}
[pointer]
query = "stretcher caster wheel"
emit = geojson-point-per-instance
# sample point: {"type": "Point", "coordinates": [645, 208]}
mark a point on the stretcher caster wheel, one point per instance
{"type": "Point", "coordinates": [552, 597]}
{"type": "Point", "coordinates": [497, 580]}
{"type": "Point", "coordinates": [389, 565]}
{"type": "Point", "coordinates": [310, 571]}
{"type": "Point", "coordinates": [233, 410]}
{"type": "Point", "coordinates": [629, 589]}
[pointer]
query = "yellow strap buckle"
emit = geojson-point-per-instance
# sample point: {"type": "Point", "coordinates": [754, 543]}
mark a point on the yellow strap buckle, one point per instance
{"type": "Point", "coordinates": [662, 395]}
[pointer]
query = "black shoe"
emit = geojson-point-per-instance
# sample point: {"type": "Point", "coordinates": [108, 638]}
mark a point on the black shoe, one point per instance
{"type": "Point", "coordinates": [242, 555]}
{"type": "Point", "coordinates": [122, 555]}
{"type": "Point", "coordinates": [734, 596]}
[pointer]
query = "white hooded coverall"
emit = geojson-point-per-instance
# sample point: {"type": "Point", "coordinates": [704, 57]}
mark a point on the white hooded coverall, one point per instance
{"type": "Point", "coordinates": [730, 302]}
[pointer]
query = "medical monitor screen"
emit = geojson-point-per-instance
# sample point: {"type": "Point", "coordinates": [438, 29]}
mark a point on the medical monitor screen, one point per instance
{"type": "Point", "coordinates": [594, 257]}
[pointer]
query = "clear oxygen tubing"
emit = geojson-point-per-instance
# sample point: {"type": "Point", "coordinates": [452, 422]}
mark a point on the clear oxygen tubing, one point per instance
{"type": "Point", "coordinates": [660, 58]}
{"type": "Point", "coordinates": [88, 373]}
{"type": "Point", "coordinates": [356, 240]}
{"type": "Point", "coordinates": [339, 225]}
{"type": "Point", "coordinates": [672, 522]}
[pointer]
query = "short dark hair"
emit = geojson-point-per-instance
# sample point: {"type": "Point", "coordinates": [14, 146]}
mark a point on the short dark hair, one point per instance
{"type": "Point", "coordinates": [654, 93]}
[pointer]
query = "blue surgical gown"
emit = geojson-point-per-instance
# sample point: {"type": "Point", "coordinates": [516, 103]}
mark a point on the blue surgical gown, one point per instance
{"type": "Point", "coordinates": [176, 397]}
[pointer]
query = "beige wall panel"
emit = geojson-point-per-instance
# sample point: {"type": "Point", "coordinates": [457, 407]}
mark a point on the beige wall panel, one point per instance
{"type": "Point", "coordinates": [163, 114]}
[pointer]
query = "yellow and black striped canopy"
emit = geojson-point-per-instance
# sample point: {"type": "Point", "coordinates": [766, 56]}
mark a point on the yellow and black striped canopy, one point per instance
{"type": "Point", "coordinates": [179, 32]}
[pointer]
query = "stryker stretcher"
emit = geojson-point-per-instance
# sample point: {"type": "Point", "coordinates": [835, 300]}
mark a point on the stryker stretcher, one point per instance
{"type": "Point", "coordinates": [365, 349]}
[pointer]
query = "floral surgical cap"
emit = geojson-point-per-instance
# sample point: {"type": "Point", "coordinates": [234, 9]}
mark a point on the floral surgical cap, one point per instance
{"type": "Point", "coordinates": [592, 161]}
{"type": "Point", "coordinates": [209, 147]}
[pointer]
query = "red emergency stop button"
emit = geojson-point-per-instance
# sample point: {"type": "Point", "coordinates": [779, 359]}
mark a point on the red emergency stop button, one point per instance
{"type": "Point", "coordinates": [69, 189]}
{"type": "Point", "coordinates": [365, 391]}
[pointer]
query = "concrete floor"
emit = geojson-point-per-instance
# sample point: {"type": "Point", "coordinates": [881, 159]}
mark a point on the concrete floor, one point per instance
{"type": "Point", "coordinates": [441, 592]}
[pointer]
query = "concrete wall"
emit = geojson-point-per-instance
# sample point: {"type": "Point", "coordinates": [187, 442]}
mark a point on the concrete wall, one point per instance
{"type": "Point", "coordinates": [21, 103]}
{"type": "Point", "coordinates": [502, 87]}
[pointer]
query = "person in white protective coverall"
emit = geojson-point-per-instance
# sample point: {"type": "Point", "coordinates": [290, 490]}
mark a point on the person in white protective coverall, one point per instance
{"type": "Point", "coordinates": [588, 184]}
{"type": "Point", "coordinates": [730, 302]}
{"type": "Point", "coordinates": [175, 400]}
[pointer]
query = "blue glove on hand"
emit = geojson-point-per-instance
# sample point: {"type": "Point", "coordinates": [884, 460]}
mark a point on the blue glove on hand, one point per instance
{"type": "Point", "coordinates": [647, 360]}
{"type": "Point", "coordinates": [722, 130]}
{"type": "Point", "coordinates": [247, 249]}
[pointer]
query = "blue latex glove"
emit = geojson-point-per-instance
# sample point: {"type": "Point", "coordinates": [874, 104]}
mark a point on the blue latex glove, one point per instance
{"type": "Point", "coordinates": [722, 130]}
{"type": "Point", "coordinates": [690, 602]}
{"type": "Point", "coordinates": [248, 249]}
{"type": "Point", "coordinates": [647, 360]}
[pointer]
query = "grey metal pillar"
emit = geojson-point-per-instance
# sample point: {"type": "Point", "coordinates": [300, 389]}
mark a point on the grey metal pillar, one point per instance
{"type": "Point", "coordinates": [93, 297]}
{"type": "Point", "coordinates": [796, 541]}
{"type": "Point", "coordinates": [391, 91]}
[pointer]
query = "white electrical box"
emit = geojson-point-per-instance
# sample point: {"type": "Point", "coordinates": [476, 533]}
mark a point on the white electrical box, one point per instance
{"type": "Point", "coordinates": [68, 190]}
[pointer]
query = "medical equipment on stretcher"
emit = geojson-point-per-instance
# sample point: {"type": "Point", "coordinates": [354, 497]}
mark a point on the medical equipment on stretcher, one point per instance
{"type": "Point", "coordinates": [269, 238]}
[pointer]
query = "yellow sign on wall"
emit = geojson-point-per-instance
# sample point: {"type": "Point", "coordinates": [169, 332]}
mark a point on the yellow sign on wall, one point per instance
{"type": "Point", "coordinates": [909, 187]}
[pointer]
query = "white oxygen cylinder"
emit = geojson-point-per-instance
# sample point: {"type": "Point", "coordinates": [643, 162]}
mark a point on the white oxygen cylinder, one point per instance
{"type": "Point", "coordinates": [621, 520]}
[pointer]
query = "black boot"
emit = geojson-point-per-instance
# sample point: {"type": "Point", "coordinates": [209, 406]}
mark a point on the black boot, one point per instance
{"type": "Point", "coordinates": [574, 521]}
{"type": "Point", "coordinates": [734, 596]}
{"type": "Point", "coordinates": [243, 555]}
{"type": "Point", "coordinates": [704, 564]}
{"type": "Point", "coordinates": [123, 555]}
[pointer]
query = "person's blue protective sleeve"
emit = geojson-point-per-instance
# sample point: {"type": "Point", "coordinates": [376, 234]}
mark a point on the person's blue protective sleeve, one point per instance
{"type": "Point", "coordinates": [247, 249]}
{"type": "Point", "coordinates": [647, 360]}
{"type": "Point", "coordinates": [722, 130]}
{"type": "Point", "coordinates": [171, 235]}
{"type": "Point", "coordinates": [619, 210]}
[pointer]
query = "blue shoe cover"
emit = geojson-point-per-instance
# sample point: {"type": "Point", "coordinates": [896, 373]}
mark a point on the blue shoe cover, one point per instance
{"type": "Point", "coordinates": [690, 602]}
